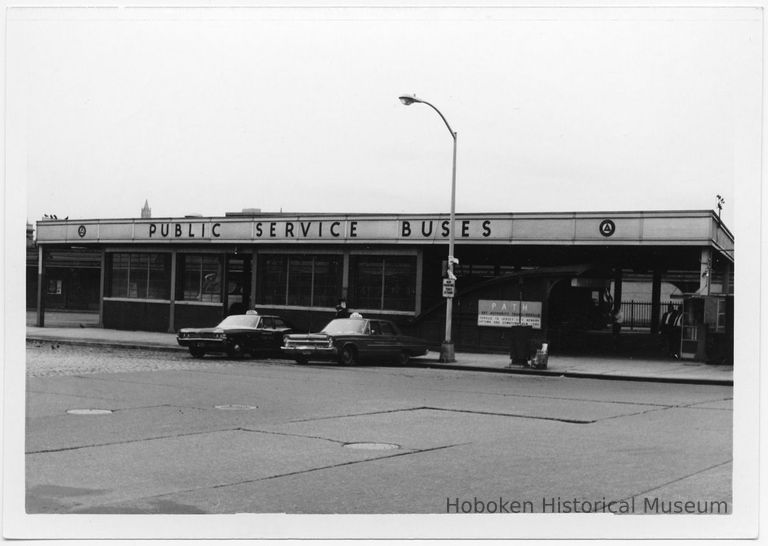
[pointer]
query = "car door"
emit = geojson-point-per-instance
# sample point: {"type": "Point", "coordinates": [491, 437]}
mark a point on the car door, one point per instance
{"type": "Point", "coordinates": [253, 335]}
{"type": "Point", "coordinates": [267, 333]}
{"type": "Point", "coordinates": [367, 341]}
{"type": "Point", "coordinates": [375, 346]}
{"type": "Point", "coordinates": [389, 339]}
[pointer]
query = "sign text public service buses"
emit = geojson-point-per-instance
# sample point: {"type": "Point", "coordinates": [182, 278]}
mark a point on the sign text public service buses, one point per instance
{"type": "Point", "coordinates": [319, 230]}
{"type": "Point", "coordinates": [186, 230]}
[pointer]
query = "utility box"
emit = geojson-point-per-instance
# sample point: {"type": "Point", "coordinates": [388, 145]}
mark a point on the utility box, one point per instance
{"type": "Point", "coordinates": [520, 350]}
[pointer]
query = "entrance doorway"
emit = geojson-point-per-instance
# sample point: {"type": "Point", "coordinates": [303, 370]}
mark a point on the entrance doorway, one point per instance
{"type": "Point", "coordinates": [238, 275]}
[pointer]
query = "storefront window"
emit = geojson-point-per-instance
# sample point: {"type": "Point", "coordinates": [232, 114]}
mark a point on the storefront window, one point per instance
{"type": "Point", "coordinates": [367, 276]}
{"type": "Point", "coordinates": [140, 275]}
{"type": "Point", "coordinates": [308, 281]}
{"type": "Point", "coordinates": [383, 282]}
{"type": "Point", "coordinates": [200, 276]}
{"type": "Point", "coordinates": [326, 283]}
{"type": "Point", "coordinates": [300, 280]}
{"type": "Point", "coordinates": [274, 279]}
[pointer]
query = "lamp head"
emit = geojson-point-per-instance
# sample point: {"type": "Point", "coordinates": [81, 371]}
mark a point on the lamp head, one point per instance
{"type": "Point", "coordinates": [408, 99]}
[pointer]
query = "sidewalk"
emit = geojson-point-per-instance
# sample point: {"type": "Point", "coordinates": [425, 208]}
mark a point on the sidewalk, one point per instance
{"type": "Point", "coordinates": [593, 367]}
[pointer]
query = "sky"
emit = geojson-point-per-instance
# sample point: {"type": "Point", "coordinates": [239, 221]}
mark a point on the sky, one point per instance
{"type": "Point", "coordinates": [207, 111]}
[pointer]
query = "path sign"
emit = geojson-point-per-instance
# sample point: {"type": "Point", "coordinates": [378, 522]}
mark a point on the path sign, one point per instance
{"type": "Point", "coordinates": [506, 313]}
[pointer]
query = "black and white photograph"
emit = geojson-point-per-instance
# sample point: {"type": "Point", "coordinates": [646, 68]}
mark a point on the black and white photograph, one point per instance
{"type": "Point", "coordinates": [382, 271]}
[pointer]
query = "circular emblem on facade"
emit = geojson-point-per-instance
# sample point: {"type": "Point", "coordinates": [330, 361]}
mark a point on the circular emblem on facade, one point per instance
{"type": "Point", "coordinates": [607, 228]}
{"type": "Point", "coordinates": [81, 231]}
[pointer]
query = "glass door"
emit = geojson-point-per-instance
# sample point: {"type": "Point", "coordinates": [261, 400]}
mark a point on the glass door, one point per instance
{"type": "Point", "coordinates": [238, 275]}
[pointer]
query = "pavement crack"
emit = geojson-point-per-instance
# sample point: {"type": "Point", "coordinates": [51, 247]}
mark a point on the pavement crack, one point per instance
{"type": "Point", "coordinates": [113, 379]}
{"type": "Point", "coordinates": [71, 395]}
{"type": "Point", "coordinates": [670, 407]}
{"type": "Point", "coordinates": [563, 398]}
{"type": "Point", "coordinates": [635, 413]}
{"type": "Point", "coordinates": [693, 405]}
{"type": "Point", "coordinates": [315, 469]}
{"type": "Point", "coordinates": [432, 408]}
{"type": "Point", "coordinates": [293, 435]}
{"type": "Point", "coordinates": [517, 415]}
{"type": "Point", "coordinates": [342, 416]}
{"type": "Point", "coordinates": [348, 463]}
{"type": "Point", "coordinates": [134, 441]}
{"type": "Point", "coordinates": [681, 478]}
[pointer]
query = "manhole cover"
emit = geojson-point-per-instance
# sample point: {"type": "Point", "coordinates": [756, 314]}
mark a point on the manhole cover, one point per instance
{"type": "Point", "coordinates": [371, 445]}
{"type": "Point", "coordinates": [87, 411]}
{"type": "Point", "coordinates": [235, 407]}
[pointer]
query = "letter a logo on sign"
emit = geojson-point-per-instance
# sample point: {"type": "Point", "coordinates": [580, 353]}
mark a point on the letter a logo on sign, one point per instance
{"type": "Point", "coordinates": [607, 228]}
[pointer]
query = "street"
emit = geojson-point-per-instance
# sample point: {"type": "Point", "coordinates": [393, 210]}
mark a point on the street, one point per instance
{"type": "Point", "coordinates": [187, 436]}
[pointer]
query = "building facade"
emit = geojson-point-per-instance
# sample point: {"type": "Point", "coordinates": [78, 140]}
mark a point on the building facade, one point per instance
{"type": "Point", "coordinates": [560, 273]}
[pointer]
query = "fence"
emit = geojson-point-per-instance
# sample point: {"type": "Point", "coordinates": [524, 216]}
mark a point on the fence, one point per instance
{"type": "Point", "coordinates": [637, 314]}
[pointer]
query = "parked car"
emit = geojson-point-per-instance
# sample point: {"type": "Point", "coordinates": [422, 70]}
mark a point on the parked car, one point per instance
{"type": "Point", "coordinates": [237, 335]}
{"type": "Point", "coordinates": [353, 340]}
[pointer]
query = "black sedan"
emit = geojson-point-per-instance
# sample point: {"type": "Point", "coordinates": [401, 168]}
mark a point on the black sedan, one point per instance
{"type": "Point", "coordinates": [352, 340]}
{"type": "Point", "coordinates": [237, 335]}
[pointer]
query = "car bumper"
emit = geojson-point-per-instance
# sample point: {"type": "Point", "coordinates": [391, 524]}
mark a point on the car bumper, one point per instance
{"type": "Point", "coordinates": [212, 345]}
{"type": "Point", "coordinates": [323, 353]}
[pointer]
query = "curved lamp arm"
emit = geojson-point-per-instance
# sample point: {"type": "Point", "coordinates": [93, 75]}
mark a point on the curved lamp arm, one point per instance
{"type": "Point", "coordinates": [410, 99]}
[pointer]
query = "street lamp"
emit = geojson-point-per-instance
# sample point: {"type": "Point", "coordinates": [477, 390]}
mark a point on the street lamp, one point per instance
{"type": "Point", "coordinates": [447, 353]}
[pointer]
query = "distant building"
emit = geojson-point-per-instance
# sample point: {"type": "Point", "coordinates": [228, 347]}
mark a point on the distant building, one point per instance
{"type": "Point", "coordinates": [146, 212]}
{"type": "Point", "coordinates": [71, 279]}
{"type": "Point", "coordinates": [31, 237]}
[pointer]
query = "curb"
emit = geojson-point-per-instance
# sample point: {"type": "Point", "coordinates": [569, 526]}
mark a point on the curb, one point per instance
{"type": "Point", "coordinates": [416, 362]}
{"type": "Point", "coordinates": [582, 375]}
{"type": "Point", "coordinates": [110, 344]}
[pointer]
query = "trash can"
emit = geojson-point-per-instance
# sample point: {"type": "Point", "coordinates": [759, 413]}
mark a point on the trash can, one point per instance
{"type": "Point", "coordinates": [540, 360]}
{"type": "Point", "coordinates": [520, 351]}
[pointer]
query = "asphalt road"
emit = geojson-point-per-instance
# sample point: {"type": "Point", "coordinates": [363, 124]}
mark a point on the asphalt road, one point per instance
{"type": "Point", "coordinates": [188, 436]}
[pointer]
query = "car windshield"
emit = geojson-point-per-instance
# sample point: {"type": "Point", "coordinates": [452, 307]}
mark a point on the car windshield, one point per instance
{"type": "Point", "coordinates": [345, 326]}
{"type": "Point", "coordinates": [240, 321]}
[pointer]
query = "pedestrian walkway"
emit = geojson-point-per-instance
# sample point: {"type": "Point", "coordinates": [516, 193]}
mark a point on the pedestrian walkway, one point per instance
{"type": "Point", "coordinates": [594, 367]}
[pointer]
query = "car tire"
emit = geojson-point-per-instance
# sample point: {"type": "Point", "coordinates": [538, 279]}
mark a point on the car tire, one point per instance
{"type": "Point", "coordinates": [196, 353]}
{"type": "Point", "coordinates": [403, 358]}
{"type": "Point", "coordinates": [348, 356]}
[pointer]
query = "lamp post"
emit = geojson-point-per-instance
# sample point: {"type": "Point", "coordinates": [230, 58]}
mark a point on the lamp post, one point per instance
{"type": "Point", "coordinates": [447, 353]}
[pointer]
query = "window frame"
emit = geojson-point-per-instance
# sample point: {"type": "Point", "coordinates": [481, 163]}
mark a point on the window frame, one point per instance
{"type": "Point", "coordinates": [146, 276]}
{"type": "Point", "coordinates": [286, 295]}
{"type": "Point", "coordinates": [182, 272]}
{"type": "Point", "coordinates": [414, 304]}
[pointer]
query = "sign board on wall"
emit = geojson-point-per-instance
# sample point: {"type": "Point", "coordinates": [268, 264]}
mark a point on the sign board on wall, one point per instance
{"type": "Point", "coordinates": [507, 313]}
{"type": "Point", "coordinates": [690, 228]}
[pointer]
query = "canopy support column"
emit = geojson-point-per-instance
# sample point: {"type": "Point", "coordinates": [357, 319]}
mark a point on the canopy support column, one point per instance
{"type": "Point", "coordinates": [655, 301]}
{"type": "Point", "coordinates": [40, 286]}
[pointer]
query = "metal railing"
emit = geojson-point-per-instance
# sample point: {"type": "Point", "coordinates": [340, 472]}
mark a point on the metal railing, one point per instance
{"type": "Point", "coordinates": [637, 314]}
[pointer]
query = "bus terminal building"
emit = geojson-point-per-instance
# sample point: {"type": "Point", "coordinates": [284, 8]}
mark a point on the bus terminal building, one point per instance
{"type": "Point", "coordinates": [563, 274]}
